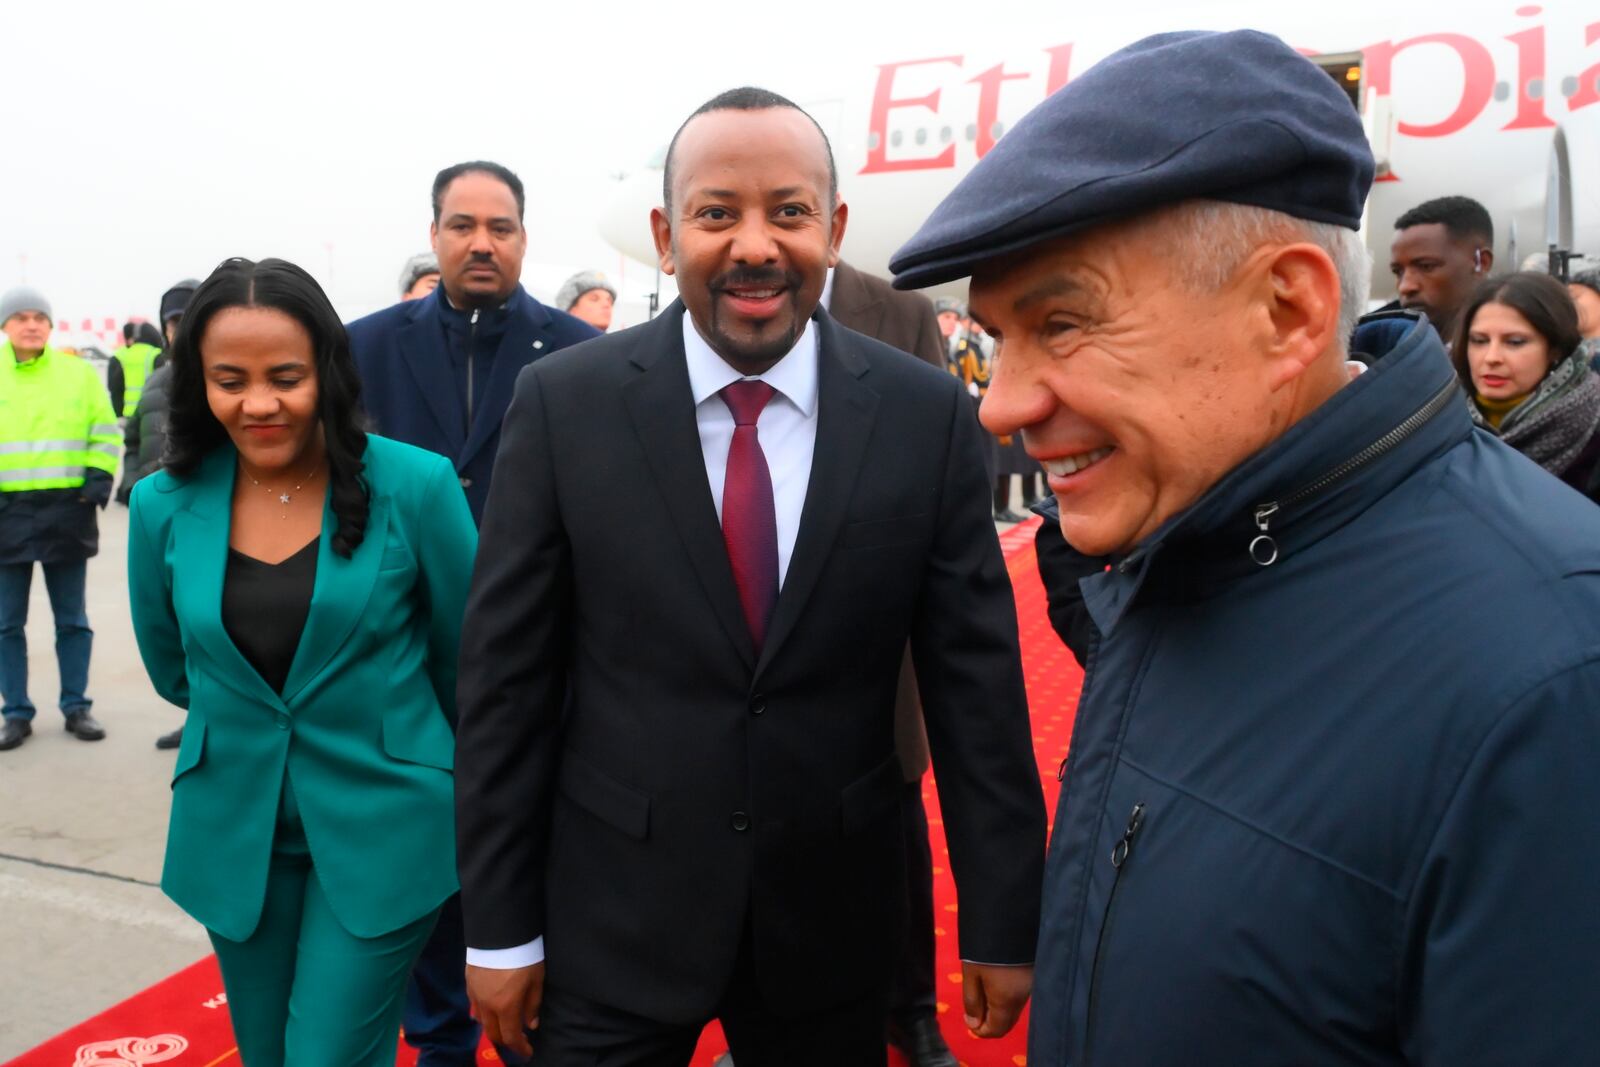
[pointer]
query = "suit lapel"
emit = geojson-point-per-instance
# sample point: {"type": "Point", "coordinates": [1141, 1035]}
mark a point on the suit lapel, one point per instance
{"type": "Point", "coordinates": [342, 590]}
{"type": "Point", "coordinates": [846, 408]}
{"type": "Point", "coordinates": [661, 405]}
{"type": "Point", "coordinates": [419, 350]}
{"type": "Point", "coordinates": [201, 532]}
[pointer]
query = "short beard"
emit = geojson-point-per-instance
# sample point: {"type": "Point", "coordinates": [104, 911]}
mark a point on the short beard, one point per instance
{"type": "Point", "coordinates": [760, 353]}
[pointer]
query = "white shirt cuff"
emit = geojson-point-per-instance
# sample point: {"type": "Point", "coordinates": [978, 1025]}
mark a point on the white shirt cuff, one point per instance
{"type": "Point", "coordinates": [507, 959]}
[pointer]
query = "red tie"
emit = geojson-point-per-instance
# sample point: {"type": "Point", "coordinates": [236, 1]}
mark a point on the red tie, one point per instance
{"type": "Point", "coordinates": [749, 522]}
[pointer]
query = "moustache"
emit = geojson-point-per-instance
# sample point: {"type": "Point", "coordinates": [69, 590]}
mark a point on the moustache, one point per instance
{"type": "Point", "coordinates": [757, 278]}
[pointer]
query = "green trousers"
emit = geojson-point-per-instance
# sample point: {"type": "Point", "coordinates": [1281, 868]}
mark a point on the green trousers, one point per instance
{"type": "Point", "coordinates": [303, 991]}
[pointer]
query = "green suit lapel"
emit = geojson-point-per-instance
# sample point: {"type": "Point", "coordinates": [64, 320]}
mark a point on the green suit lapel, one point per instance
{"type": "Point", "coordinates": [342, 588]}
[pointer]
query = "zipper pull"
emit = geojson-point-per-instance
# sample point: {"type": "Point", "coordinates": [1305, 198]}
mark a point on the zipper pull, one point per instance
{"type": "Point", "coordinates": [1061, 771]}
{"type": "Point", "coordinates": [474, 321]}
{"type": "Point", "coordinates": [1119, 852]}
{"type": "Point", "coordinates": [1263, 549]}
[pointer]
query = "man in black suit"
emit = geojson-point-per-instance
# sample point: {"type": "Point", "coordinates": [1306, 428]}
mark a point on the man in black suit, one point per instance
{"type": "Point", "coordinates": [677, 785]}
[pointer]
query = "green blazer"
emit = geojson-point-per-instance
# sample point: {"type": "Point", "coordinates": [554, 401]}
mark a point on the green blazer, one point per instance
{"type": "Point", "coordinates": [364, 724]}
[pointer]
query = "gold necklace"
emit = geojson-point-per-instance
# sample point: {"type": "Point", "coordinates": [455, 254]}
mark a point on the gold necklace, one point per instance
{"type": "Point", "coordinates": [283, 497]}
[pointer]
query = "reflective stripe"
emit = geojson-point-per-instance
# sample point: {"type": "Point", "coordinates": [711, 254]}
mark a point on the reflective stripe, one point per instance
{"type": "Point", "coordinates": [39, 474]}
{"type": "Point", "coordinates": [114, 451]}
{"type": "Point", "coordinates": [105, 429]}
{"type": "Point", "coordinates": [12, 448]}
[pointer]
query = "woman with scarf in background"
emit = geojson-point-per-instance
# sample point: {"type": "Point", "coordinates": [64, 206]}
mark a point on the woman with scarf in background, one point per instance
{"type": "Point", "coordinates": [1517, 353]}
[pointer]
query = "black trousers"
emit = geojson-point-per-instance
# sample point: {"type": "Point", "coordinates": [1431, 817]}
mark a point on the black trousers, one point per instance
{"type": "Point", "coordinates": [575, 1031]}
{"type": "Point", "coordinates": [913, 993]}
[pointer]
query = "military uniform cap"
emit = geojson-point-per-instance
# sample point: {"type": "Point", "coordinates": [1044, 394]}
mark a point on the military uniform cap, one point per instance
{"type": "Point", "coordinates": [1237, 116]}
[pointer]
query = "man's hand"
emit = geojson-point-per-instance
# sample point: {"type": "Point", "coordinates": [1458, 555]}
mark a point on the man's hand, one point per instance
{"type": "Point", "coordinates": [993, 997]}
{"type": "Point", "coordinates": [506, 1001]}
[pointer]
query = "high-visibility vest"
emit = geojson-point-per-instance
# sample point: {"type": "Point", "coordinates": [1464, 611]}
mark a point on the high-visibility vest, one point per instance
{"type": "Point", "coordinates": [56, 422]}
{"type": "Point", "coordinates": [138, 361]}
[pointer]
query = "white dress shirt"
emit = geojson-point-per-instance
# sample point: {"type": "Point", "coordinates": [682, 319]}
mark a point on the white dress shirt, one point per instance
{"type": "Point", "coordinates": [787, 430]}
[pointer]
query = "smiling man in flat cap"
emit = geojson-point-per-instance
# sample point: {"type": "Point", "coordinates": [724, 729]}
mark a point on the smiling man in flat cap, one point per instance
{"type": "Point", "coordinates": [1332, 787]}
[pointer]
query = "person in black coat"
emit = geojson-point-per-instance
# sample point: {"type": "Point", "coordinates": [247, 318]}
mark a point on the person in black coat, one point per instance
{"type": "Point", "coordinates": [676, 764]}
{"type": "Point", "coordinates": [437, 372]}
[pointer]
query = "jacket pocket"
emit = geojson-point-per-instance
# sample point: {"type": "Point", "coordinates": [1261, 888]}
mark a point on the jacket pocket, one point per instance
{"type": "Point", "coordinates": [192, 749]}
{"type": "Point", "coordinates": [620, 806]}
{"type": "Point", "coordinates": [883, 533]}
{"type": "Point", "coordinates": [424, 740]}
{"type": "Point", "coordinates": [869, 797]}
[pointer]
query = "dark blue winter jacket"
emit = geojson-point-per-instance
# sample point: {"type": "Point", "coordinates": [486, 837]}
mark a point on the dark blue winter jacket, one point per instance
{"type": "Point", "coordinates": [425, 365]}
{"type": "Point", "coordinates": [1334, 790]}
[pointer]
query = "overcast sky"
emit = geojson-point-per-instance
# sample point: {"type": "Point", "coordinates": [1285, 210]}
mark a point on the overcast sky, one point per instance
{"type": "Point", "coordinates": [145, 142]}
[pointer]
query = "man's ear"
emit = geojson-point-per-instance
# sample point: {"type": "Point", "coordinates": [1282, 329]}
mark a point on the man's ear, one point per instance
{"type": "Point", "coordinates": [1300, 286]}
{"type": "Point", "coordinates": [433, 237]}
{"type": "Point", "coordinates": [841, 217]}
{"type": "Point", "coordinates": [661, 230]}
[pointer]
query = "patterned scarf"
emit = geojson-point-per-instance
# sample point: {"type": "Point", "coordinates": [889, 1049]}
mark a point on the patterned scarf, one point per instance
{"type": "Point", "coordinates": [1558, 418]}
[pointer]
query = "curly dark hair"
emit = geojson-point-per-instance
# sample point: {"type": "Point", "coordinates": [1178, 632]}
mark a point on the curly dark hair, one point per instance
{"type": "Point", "coordinates": [193, 431]}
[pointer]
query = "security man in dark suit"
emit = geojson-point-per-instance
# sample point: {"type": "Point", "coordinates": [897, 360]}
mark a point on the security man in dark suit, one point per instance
{"type": "Point", "coordinates": [437, 372]}
{"type": "Point", "coordinates": [678, 792]}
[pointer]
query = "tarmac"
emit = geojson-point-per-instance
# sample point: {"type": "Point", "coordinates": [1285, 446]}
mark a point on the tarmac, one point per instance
{"type": "Point", "coordinates": [83, 921]}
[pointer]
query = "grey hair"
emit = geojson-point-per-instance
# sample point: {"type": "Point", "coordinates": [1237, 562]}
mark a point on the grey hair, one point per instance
{"type": "Point", "coordinates": [1211, 239]}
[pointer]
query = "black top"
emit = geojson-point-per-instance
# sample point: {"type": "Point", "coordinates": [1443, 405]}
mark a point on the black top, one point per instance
{"type": "Point", "coordinates": [264, 608]}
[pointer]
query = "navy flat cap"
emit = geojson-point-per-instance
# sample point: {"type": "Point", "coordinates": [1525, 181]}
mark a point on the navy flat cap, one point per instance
{"type": "Point", "coordinates": [1236, 116]}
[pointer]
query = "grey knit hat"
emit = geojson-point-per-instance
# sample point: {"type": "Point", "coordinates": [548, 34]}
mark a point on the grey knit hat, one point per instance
{"type": "Point", "coordinates": [947, 303]}
{"type": "Point", "coordinates": [1589, 279]}
{"type": "Point", "coordinates": [418, 266]}
{"type": "Point", "coordinates": [580, 283]}
{"type": "Point", "coordinates": [21, 299]}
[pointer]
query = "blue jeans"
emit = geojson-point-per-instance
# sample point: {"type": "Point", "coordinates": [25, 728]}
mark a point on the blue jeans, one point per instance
{"type": "Point", "coordinates": [74, 640]}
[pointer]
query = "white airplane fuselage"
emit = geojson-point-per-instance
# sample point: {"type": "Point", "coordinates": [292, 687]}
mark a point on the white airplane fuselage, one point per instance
{"type": "Point", "coordinates": [1498, 103]}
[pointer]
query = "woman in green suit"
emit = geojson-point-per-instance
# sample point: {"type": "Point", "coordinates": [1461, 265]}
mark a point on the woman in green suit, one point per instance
{"type": "Point", "coordinates": [298, 585]}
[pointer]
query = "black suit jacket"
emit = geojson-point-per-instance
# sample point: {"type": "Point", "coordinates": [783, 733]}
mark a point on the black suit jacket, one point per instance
{"type": "Point", "coordinates": [636, 785]}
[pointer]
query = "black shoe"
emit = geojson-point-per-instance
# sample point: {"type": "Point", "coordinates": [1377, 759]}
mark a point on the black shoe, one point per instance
{"type": "Point", "coordinates": [1007, 515]}
{"type": "Point", "coordinates": [81, 724]}
{"type": "Point", "coordinates": [171, 740]}
{"type": "Point", "coordinates": [921, 1042]}
{"type": "Point", "coordinates": [16, 731]}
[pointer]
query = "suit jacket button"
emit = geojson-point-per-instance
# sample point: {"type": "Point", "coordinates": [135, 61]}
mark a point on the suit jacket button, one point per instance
{"type": "Point", "coordinates": [466, 483]}
{"type": "Point", "coordinates": [741, 821]}
{"type": "Point", "coordinates": [758, 704]}
{"type": "Point", "coordinates": [283, 722]}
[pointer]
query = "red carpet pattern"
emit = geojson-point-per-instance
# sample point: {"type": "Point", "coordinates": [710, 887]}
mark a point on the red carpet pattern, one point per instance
{"type": "Point", "coordinates": [183, 1020]}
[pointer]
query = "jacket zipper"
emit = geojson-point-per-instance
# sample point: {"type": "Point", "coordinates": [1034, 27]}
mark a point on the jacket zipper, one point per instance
{"type": "Point", "coordinates": [1264, 549]}
{"type": "Point", "coordinates": [1119, 861]}
{"type": "Point", "coordinates": [472, 348]}
{"type": "Point", "coordinates": [1083, 693]}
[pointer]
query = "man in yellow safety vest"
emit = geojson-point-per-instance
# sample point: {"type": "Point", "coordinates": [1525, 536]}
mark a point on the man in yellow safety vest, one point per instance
{"type": "Point", "coordinates": [131, 366]}
{"type": "Point", "coordinates": [59, 443]}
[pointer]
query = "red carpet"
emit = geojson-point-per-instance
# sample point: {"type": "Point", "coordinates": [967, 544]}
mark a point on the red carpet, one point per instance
{"type": "Point", "coordinates": [183, 1020]}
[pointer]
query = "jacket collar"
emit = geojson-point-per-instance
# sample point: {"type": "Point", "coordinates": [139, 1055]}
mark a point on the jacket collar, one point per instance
{"type": "Point", "coordinates": [339, 597]}
{"type": "Point", "coordinates": [661, 405]}
{"type": "Point", "coordinates": [523, 325]}
{"type": "Point", "coordinates": [1209, 545]}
